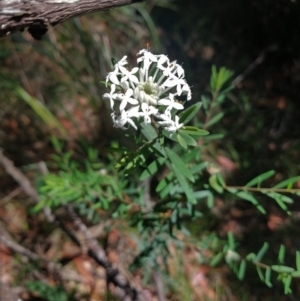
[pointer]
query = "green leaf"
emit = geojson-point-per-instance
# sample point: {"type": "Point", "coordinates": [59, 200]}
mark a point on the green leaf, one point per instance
{"type": "Point", "coordinates": [216, 259]}
{"type": "Point", "coordinates": [192, 130]}
{"type": "Point", "coordinates": [181, 140]}
{"type": "Point", "coordinates": [288, 183]}
{"type": "Point", "coordinates": [152, 169]}
{"type": "Point", "coordinates": [262, 252]}
{"type": "Point", "coordinates": [215, 119]}
{"type": "Point", "coordinates": [219, 78]}
{"type": "Point", "coordinates": [214, 137]}
{"type": "Point", "coordinates": [280, 199]}
{"type": "Point", "coordinates": [220, 180]}
{"type": "Point", "coordinates": [213, 78]}
{"type": "Point", "coordinates": [196, 169]}
{"type": "Point", "coordinates": [184, 184]}
{"type": "Point", "coordinates": [180, 165]}
{"type": "Point", "coordinates": [167, 190]}
{"type": "Point", "coordinates": [298, 260]}
{"type": "Point", "coordinates": [188, 139]}
{"type": "Point", "coordinates": [260, 273]}
{"type": "Point", "coordinates": [251, 257]}
{"type": "Point", "coordinates": [282, 269]}
{"type": "Point", "coordinates": [148, 131]}
{"type": "Point", "coordinates": [161, 185]}
{"type": "Point", "coordinates": [206, 102]}
{"type": "Point", "coordinates": [188, 114]}
{"type": "Point", "coordinates": [249, 197]}
{"type": "Point", "coordinates": [281, 254]}
{"type": "Point", "coordinates": [268, 277]}
{"type": "Point", "coordinates": [41, 110]}
{"type": "Point", "coordinates": [287, 284]}
{"type": "Point", "coordinates": [257, 180]}
{"type": "Point", "coordinates": [214, 183]}
{"type": "Point", "coordinates": [296, 274]}
{"type": "Point", "coordinates": [242, 270]}
{"type": "Point", "coordinates": [205, 194]}
{"type": "Point", "coordinates": [231, 241]}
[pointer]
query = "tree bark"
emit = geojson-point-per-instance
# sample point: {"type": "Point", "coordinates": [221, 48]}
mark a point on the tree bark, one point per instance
{"type": "Point", "coordinates": [38, 15]}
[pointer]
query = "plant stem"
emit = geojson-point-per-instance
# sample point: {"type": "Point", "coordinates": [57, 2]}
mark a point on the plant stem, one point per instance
{"type": "Point", "coordinates": [258, 189]}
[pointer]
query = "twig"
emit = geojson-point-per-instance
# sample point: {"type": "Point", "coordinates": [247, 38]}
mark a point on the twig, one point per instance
{"type": "Point", "coordinates": [254, 64]}
{"type": "Point", "coordinates": [7, 240]}
{"type": "Point", "coordinates": [97, 253]}
{"type": "Point", "coordinates": [11, 195]}
{"type": "Point", "coordinates": [159, 286]}
{"type": "Point", "coordinates": [23, 181]}
{"type": "Point", "coordinates": [18, 176]}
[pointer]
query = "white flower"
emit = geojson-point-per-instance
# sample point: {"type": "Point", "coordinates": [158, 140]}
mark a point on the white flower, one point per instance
{"type": "Point", "coordinates": [125, 117]}
{"type": "Point", "coordinates": [147, 111]}
{"type": "Point", "coordinates": [128, 75]}
{"type": "Point", "coordinates": [175, 126]}
{"type": "Point", "coordinates": [166, 119]}
{"type": "Point", "coordinates": [171, 103]}
{"type": "Point", "coordinates": [187, 90]}
{"type": "Point", "coordinates": [112, 76]}
{"type": "Point", "coordinates": [179, 71]}
{"type": "Point", "coordinates": [147, 57]}
{"type": "Point", "coordinates": [126, 98]}
{"type": "Point", "coordinates": [111, 95]}
{"type": "Point", "coordinates": [121, 63]}
{"type": "Point", "coordinates": [147, 91]}
{"type": "Point", "coordinates": [167, 71]}
{"type": "Point", "coordinates": [179, 83]}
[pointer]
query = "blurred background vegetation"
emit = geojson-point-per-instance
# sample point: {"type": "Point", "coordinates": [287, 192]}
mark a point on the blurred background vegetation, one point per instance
{"type": "Point", "coordinates": [52, 87]}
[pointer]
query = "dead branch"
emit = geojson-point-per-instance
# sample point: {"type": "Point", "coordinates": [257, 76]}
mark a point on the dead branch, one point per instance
{"type": "Point", "coordinates": [98, 254]}
{"type": "Point", "coordinates": [38, 15]}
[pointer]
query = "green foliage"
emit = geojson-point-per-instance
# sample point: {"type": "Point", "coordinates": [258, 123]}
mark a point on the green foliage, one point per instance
{"type": "Point", "coordinates": [47, 292]}
{"type": "Point", "coordinates": [185, 185]}
{"type": "Point", "coordinates": [238, 264]}
{"type": "Point", "coordinates": [87, 184]}
{"type": "Point", "coordinates": [219, 78]}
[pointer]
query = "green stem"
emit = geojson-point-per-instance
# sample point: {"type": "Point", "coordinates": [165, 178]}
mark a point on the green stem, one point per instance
{"type": "Point", "coordinates": [262, 189]}
{"type": "Point", "coordinates": [209, 113]}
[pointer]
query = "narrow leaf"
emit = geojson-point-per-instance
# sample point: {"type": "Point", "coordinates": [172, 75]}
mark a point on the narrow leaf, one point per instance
{"type": "Point", "coordinates": [287, 284]}
{"type": "Point", "coordinates": [298, 260]}
{"type": "Point", "coordinates": [231, 241]}
{"type": "Point", "coordinates": [281, 254]}
{"type": "Point", "coordinates": [257, 180]}
{"type": "Point", "coordinates": [242, 270]}
{"type": "Point", "coordinates": [213, 181]}
{"type": "Point", "coordinates": [249, 197]}
{"type": "Point", "coordinates": [152, 169]}
{"type": "Point", "coordinates": [216, 259]}
{"type": "Point", "coordinates": [181, 140]}
{"type": "Point", "coordinates": [260, 274]}
{"type": "Point", "coordinates": [215, 119]}
{"type": "Point", "coordinates": [180, 165]}
{"type": "Point", "coordinates": [262, 252]}
{"type": "Point", "coordinates": [268, 277]}
{"type": "Point", "coordinates": [192, 130]}
{"type": "Point", "coordinates": [188, 114]}
{"type": "Point", "coordinates": [184, 184]}
{"type": "Point", "coordinates": [188, 139]}
{"type": "Point", "coordinates": [282, 269]}
{"type": "Point", "coordinates": [288, 183]}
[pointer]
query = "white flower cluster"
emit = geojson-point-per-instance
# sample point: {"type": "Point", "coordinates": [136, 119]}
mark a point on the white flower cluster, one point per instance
{"type": "Point", "coordinates": [146, 92]}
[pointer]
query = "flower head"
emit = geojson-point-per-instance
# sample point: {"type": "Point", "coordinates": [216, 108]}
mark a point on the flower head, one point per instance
{"type": "Point", "coordinates": [148, 92]}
